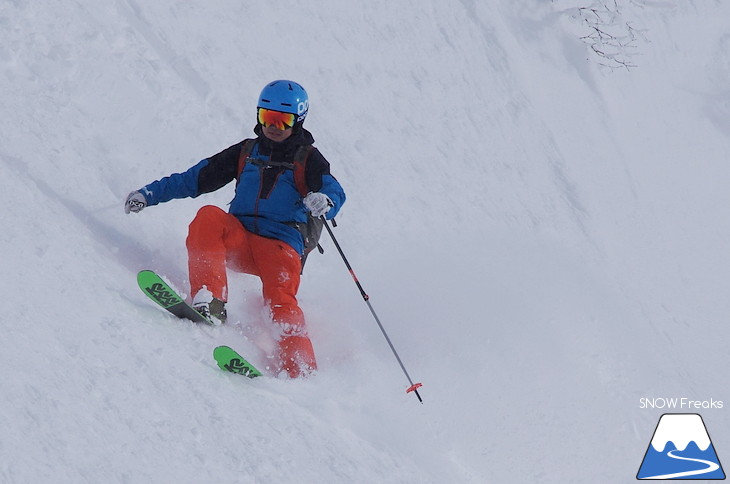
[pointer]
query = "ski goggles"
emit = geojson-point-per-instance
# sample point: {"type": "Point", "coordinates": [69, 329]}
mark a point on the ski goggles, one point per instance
{"type": "Point", "coordinates": [279, 120]}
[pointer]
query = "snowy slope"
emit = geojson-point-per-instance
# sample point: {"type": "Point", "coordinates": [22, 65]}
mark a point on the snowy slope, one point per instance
{"type": "Point", "coordinates": [545, 241]}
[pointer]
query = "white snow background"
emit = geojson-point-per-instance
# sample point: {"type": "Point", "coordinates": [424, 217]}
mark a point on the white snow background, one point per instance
{"type": "Point", "coordinates": [544, 239]}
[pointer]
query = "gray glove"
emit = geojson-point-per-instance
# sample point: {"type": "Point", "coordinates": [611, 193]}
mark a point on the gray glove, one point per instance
{"type": "Point", "coordinates": [318, 203]}
{"type": "Point", "coordinates": [135, 202]}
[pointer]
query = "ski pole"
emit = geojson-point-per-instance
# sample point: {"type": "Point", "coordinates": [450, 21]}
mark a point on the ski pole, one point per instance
{"type": "Point", "coordinates": [414, 386]}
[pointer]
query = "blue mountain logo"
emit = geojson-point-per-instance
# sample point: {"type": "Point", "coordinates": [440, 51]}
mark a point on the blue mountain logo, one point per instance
{"type": "Point", "coordinates": [681, 449]}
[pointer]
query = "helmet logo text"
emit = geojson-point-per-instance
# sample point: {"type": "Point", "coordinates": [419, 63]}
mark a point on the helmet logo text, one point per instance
{"type": "Point", "coordinates": [303, 107]}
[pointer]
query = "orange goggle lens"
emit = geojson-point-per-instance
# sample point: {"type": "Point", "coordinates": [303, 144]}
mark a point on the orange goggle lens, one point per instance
{"type": "Point", "coordinates": [279, 120]}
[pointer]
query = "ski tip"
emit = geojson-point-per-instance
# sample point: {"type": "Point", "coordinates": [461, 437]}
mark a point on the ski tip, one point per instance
{"type": "Point", "coordinates": [221, 353]}
{"type": "Point", "coordinates": [146, 275]}
{"type": "Point", "coordinates": [229, 360]}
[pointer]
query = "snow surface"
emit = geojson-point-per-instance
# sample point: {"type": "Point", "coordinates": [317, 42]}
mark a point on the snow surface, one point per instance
{"type": "Point", "coordinates": [545, 241]}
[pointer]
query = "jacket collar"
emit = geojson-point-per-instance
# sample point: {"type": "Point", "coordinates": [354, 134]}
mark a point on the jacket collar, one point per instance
{"type": "Point", "coordinates": [300, 137]}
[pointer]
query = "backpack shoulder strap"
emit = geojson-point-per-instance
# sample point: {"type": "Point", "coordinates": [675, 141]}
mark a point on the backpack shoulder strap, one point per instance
{"type": "Point", "coordinates": [246, 149]}
{"type": "Point", "coordinates": [300, 169]}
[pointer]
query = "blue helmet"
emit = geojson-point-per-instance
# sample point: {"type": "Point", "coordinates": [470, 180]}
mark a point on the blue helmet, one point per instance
{"type": "Point", "coordinates": [285, 96]}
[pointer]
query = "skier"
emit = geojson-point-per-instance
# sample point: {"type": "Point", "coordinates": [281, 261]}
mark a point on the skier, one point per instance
{"type": "Point", "coordinates": [260, 233]}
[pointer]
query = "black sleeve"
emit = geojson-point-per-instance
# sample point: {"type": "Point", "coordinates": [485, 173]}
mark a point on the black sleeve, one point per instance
{"type": "Point", "coordinates": [220, 170]}
{"type": "Point", "coordinates": [317, 167]}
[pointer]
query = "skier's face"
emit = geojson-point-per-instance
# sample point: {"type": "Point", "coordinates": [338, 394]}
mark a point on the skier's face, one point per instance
{"type": "Point", "coordinates": [277, 135]}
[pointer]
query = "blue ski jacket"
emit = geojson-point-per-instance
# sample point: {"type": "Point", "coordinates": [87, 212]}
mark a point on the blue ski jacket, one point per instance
{"type": "Point", "coordinates": [266, 196]}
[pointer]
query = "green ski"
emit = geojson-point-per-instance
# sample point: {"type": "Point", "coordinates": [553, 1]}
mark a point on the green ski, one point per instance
{"type": "Point", "coordinates": [161, 293]}
{"type": "Point", "coordinates": [229, 360]}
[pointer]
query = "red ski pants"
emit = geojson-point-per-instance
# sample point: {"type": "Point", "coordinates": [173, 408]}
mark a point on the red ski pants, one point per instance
{"type": "Point", "coordinates": [217, 239]}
